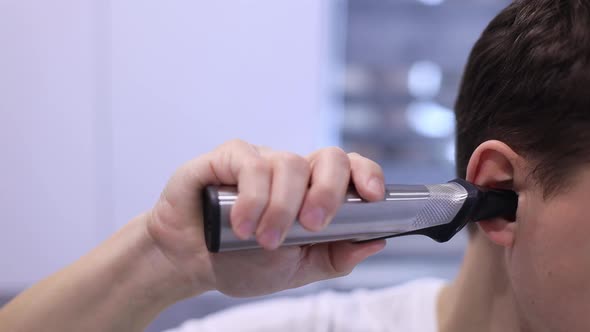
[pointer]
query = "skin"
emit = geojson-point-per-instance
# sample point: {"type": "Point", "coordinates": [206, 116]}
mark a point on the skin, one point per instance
{"type": "Point", "coordinates": [531, 275]}
{"type": "Point", "coordinates": [160, 257]}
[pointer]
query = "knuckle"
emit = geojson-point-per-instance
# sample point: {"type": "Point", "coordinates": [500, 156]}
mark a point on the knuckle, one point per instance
{"type": "Point", "coordinates": [338, 155]}
{"type": "Point", "coordinates": [232, 143]}
{"type": "Point", "coordinates": [286, 156]}
{"type": "Point", "coordinates": [263, 150]}
{"type": "Point", "coordinates": [364, 162]}
{"type": "Point", "coordinates": [338, 270]}
{"type": "Point", "coordinates": [371, 162]}
{"type": "Point", "coordinates": [230, 146]}
{"type": "Point", "coordinates": [355, 155]}
{"type": "Point", "coordinates": [335, 151]}
{"type": "Point", "coordinates": [259, 165]}
{"type": "Point", "coordinates": [344, 273]}
{"type": "Point", "coordinates": [253, 200]}
{"type": "Point", "coordinates": [294, 162]}
{"type": "Point", "coordinates": [326, 197]}
{"type": "Point", "coordinates": [378, 169]}
{"type": "Point", "coordinates": [237, 142]}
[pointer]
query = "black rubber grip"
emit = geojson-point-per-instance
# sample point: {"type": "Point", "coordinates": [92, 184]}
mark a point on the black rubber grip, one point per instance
{"type": "Point", "coordinates": [212, 218]}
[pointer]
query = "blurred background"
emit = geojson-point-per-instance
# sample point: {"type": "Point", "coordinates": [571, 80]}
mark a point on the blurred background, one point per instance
{"type": "Point", "coordinates": [101, 100]}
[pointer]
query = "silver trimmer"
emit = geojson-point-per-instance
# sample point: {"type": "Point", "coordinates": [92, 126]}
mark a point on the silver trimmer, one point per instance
{"type": "Point", "coordinates": [438, 211]}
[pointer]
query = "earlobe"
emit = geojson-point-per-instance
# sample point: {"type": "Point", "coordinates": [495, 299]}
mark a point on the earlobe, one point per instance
{"type": "Point", "coordinates": [493, 164]}
{"type": "Point", "coordinates": [499, 231]}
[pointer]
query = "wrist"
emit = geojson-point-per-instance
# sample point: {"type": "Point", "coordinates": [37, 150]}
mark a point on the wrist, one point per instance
{"type": "Point", "coordinates": [163, 277]}
{"type": "Point", "coordinates": [122, 285]}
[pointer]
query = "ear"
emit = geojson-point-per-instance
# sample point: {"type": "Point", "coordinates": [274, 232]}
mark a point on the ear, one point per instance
{"type": "Point", "coordinates": [493, 164]}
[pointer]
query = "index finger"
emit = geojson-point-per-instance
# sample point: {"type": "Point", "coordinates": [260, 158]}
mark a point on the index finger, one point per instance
{"type": "Point", "coordinates": [235, 162]}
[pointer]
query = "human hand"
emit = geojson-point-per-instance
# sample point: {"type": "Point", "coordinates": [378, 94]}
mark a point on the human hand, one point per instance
{"type": "Point", "coordinates": [275, 188]}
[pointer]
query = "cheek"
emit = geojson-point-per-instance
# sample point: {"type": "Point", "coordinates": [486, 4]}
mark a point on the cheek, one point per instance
{"type": "Point", "coordinates": [549, 265]}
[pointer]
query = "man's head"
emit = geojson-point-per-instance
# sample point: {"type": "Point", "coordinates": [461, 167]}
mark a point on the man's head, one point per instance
{"type": "Point", "coordinates": [523, 122]}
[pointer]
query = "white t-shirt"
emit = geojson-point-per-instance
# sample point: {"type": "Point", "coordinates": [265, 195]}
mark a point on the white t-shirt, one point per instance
{"type": "Point", "coordinates": [409, 308]}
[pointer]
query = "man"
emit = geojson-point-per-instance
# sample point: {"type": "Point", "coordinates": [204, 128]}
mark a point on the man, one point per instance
{"type": "Point", "coordinates": [523, 115]}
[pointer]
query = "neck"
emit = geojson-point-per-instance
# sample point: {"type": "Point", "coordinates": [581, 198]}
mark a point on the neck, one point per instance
{"type": "Point", "coordinates": [480, 298]}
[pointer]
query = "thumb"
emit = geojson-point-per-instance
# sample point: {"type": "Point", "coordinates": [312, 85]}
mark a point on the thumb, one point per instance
{"type": "Point", "coordinates": [336, 259]}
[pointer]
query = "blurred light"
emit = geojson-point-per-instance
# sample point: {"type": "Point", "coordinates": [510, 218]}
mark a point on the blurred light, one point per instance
{"type": "Point", "coordinates": [356, 79]}
{"type": "Point", "coordinates": [431, 2]}
{"type": "Point", "coordinates": [450, 152]}
{"type": "Point", "coordinates": [359, 118]}
{"type": "Point", "coordinates": [430, 119]}
{"type": "Point", "coordinates": [424, 79]}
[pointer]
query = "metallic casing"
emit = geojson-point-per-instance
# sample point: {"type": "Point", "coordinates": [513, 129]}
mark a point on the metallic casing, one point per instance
{"type": "Point", "coordinates": [406, 208]}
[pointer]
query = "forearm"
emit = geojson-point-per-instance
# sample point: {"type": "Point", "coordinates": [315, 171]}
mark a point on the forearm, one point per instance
{"type": "Point", "coordinates": [120, 286]}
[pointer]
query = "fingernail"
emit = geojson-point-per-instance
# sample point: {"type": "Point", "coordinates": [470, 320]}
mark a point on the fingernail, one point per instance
{"type": "Point", "coordinates": [246, 228]}
{"type": "Point", "coordinates": [375, 185]}
{"type": "Point", "coordinates": [314, 218]}
{"type": "Point", "coordinates": [270, 238]}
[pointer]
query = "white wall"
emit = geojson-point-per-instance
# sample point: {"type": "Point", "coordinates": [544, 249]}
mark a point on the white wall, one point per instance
{"type": "Point", "coordinates": [192, 74]}
{"type": "Point", "coordinates": [47, 137]}
{"type": "Point", "coordinates": [100, 101]}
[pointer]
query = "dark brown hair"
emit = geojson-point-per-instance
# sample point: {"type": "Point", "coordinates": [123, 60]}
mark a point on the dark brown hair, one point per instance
{"type": "Point", "coordinates": [527, 84]}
